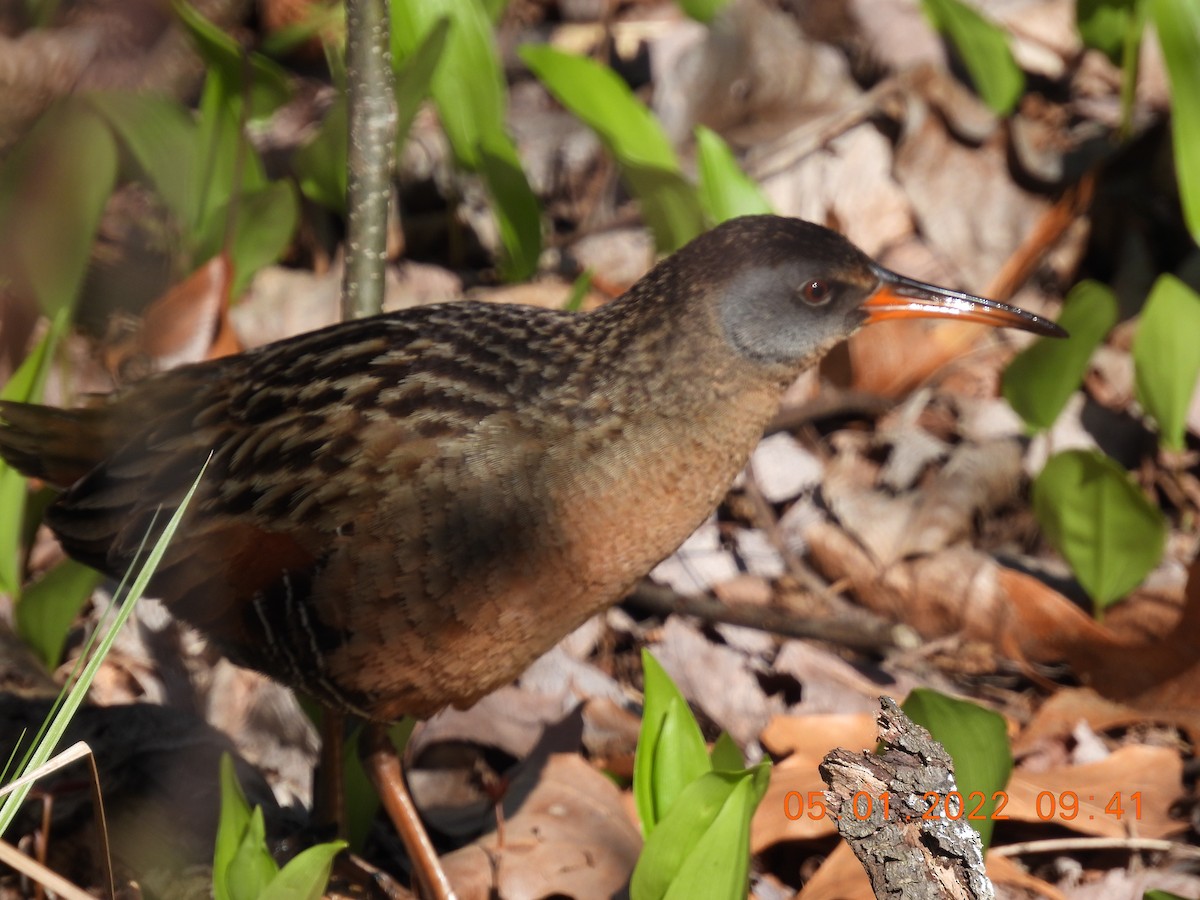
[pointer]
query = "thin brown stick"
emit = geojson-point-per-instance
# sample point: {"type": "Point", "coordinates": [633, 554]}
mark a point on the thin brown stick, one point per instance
{"type": "Point", "coordinates": [864, 633]}
{"type": "Point", "coordinates": [383, 766]}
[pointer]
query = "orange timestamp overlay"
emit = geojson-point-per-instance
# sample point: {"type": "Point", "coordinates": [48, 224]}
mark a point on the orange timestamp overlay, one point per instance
{"type": "Point", "coordinates": [975, 806]}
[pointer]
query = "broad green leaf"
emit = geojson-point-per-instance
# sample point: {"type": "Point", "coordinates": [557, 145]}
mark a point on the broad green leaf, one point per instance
{"type": "Point", "coordinates": [603, 102]}
{"type": "Point", "coordinates": [231, 826]}
{"type": "Point", "coordinates": [1178, 26]}
{"type": "Point", "coordinates": [47, 609]}
{"type": "Point", "coordinates": [517, 210]}
{"type": "Point", "coordinates": [1104, 25]}
{"type": "Point", "coordinates": [241, 73]}
{"type": "Point", "coordinates": [701, 847]}
{"type": "Point", "coordinates": [726, 755]}
{"type": "Point", "coordinates": [24, 386]}
{"type": "Point", "coordinates": [242, 866]}
{"type": "Point", "coordinates": [53, 187]}
{"type": "Point", "coordinates": [306, 875]}
{"type": "Point", "coordinates": [266, 219]}
{"type": "Point", "coordinates": [977, 741]}
{"type": "Point", "coordinates": [320, 165]}
{"type": "Point", "coordinates": [703, 10]}
{"type": "Point", "coordinates": [252, 867]}
{"type": "Point", "coordinates": [468, 87]}
{"type": "Point", "coordinates": [1041, 379]}
{"type": "Point", "coordinates": [1166, 356]}
{"type": "Point", "coordinates": [163, 139]}
{"type": "Point", "coordinates": [983, 48]}
{"type": "Point", "coordinates": [671, 753]}
{"type": "Point", "coordinates": [1096, 517]}
{"type": "Point", "coordinates": [725, 190]}
{"type": "Point", "coordinates": [414, 76]}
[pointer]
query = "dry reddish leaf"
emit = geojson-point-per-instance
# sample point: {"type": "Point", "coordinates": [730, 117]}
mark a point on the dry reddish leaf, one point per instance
{"type": "Point", "coordinates": [1007, 872]}
{"type": "Point", "coordinates": [781, 817]}
{"type": "Point", "coordinates": [1154, 774]}
{"type": "Point", "coordinates": [960, 591]}
{"type": "Point", "coordinates": [566, 833]}
{"type": "Point", "coordinates": [840, 877]}
{"type": "Point", "coordinates": [187, 324]}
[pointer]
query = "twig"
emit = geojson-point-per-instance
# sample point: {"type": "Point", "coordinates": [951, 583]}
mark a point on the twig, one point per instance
{"type": "Point", "coordinates": [870, 634]}
{"type": "Point", "coordinates": [372, 119]}
{"type": "Point", "coordinates": [1076, 844]}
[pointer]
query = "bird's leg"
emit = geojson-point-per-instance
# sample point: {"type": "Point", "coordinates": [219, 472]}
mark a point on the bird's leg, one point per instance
{"type": "Point", "coordinates": [329, 796]}
{"type": "Point", "coordinates": [382, 765]}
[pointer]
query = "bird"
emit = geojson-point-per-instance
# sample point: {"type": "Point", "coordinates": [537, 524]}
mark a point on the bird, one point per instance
{"type": "Point", "coordinates": [402, 512]}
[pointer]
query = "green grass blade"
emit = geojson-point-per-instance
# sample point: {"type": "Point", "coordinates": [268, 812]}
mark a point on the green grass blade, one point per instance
{"type": "Point", "coordinates": [78, 692]}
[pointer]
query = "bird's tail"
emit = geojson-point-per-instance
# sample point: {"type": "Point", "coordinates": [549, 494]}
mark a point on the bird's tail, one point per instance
{"type": "Point", "coordinates": [59, 446]}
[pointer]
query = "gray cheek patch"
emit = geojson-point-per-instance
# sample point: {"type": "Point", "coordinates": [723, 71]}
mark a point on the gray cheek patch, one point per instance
{"type": "Point", "coordinates": [765, 320]}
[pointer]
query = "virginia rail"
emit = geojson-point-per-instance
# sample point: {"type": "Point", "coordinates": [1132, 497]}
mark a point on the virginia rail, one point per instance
{"type": "Point", "coordinates": [403, 512]}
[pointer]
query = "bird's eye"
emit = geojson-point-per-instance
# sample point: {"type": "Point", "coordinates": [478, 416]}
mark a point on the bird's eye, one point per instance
{"type": "Point", "coordinates": [816, 293]}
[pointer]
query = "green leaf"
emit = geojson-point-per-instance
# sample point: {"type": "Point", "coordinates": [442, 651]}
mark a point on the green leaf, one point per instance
{"type": "Point", "coordinates": [1178, 26]}
{"type": "Point", "coordinates": [517, 210]}
{"type": "Point", "coordinates": [240, 73]}
{"type": "Point", "coordinates": [163, 139]}
{"type": "Point", "coordinates": [702, 847]}
{"type": "Point", "coordinates": [24, 386]}
{"type": "Point", "coordinates": [414, 76]}
{"type": "Point", "coordinates": [320, 165]}
{"type": "Point", "coordinates": [977, 741]}
{"type": "Point", "coordinates": [1166, 356]}
{"type": "Point", "coordinates": [232, 825]}
{"type": "Point", "coordinates": [305, 877]}
{"type": "Point", "coordinates": [579, 291]}
{"type": "Point", "coordinates": [983, 48]}
{"type": "Point", "coordinates": [726, 755]}
{"type": "Point", "coordinates": [671, 753]}
{"type": "Point", "coordinates": [1104, 24]}
{"type": "Point", "coordinates": [1041, 379]}
{"type": "Point", "coordinates": [47, 609]}
{"type": "Point", "coordinates": [53, 188]}
{"type": "Point", "coordinates": [726, 192]}
{"type": "Point", "coordinates": [468, 88]}
{"type": "Point", "coordinates": [252, 867]}
{"type": "Point", "coordinates": [703, 10]}
{"type": "Point", "coordinates": [242, 867]}
{"type": "Point", "coordinates": [1104, 527]}
{"type": "Point", "coordinates": [266, 220]}
{"type": "Point", "coordinates": [603, 102]}
{"type": "Point", "coordinates": [71, 699]}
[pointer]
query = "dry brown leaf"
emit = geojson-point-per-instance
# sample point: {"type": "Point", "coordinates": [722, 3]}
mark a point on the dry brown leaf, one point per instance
{"type": "Point", "coordinates": [1005, 871]}
{"type": "Point", "coordinates": [961, 591]}
{"type": "Point", "coordinates": [1153, 773]}
{"type": "Point", "coordinates": [806, 739]}
{"type": "Point", "coordinates": [840, 877]}
{"type": "Point", "coordinates": [187, 324]}
{"type": "Point", "coordinates": [566, 832]}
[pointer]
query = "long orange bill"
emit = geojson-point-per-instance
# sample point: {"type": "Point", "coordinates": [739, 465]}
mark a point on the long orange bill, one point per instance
{"type": "Point", "coordinates": [898, 297]}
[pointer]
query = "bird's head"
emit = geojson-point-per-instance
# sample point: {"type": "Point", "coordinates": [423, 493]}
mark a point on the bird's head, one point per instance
{"type": "Point", "coordinates": [786, 290]}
